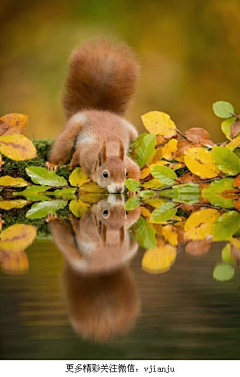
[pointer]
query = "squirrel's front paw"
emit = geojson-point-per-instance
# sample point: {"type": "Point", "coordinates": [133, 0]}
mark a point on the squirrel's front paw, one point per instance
{"type": "Point", "coordinates": [50, 166]}
{"type": "Point", "coordinates": [51, 217]}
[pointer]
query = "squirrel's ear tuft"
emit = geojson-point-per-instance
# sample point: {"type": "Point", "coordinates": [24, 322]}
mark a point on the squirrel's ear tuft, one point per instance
{"type": "Point", "coordinates": [121, 151]}
{"type": "Point", "coordinates": [104, 152]}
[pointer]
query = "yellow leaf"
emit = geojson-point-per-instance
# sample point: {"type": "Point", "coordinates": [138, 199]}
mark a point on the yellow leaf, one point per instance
{"type": "Point", "coordinates": [177, 166]}
{"type": "Point", "coordinates": [154, 183]}
{"type": "Point", "coordinates": [154, 202]}
{"type": "Point", "coordinates": [159, 123]}
{"type": "Point", "coordinates": [234, 143]}
{"type": "Point", "coordinates": [145, 212]}
{"type": "Point", "coordinates": [6, 180]}
{"type": "Point", "coordinates": [15, 263]}
{"type": "Point", "coordinates": [157, 156]}
{"type": "Point", "coordinates": [235, 242]}
{"type": "Point", "coordinates": [13, 124]}
{"type": "Point", "coordinates": [145, 173]}
{"type": "Point", "coordinates": [17, 147]}
{"type": "Point", "coordinates": [10, 204]}
{"type": "Point", "coordinates": [77, 207]}
{"type": "Point", "coordinates": [169, 149]}
{"type": "Point", "coordinates": [17, 237]}
{"type": "Point", "coordinates": [78, 177]}
{"type": "Point", "coordinates": [157, 228]}
{"type": "Point", "coordinates": [199, 161]}
{"type": "Point", "coordinates": [199, 225]}
{"type": "Point", "coordinates": [92, 187]}
{"type": "Point", "coordinates": [170, 235]}
{"type": "Point", "coordinates": [159, 259]}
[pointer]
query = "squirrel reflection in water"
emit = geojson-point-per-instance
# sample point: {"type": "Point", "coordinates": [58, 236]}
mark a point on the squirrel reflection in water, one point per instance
{"type": "Point", "coordinates": [102, 298]}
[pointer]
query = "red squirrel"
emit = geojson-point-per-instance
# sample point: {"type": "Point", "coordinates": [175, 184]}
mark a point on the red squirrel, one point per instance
{"type": "Point", "coordinates": [100, 83]}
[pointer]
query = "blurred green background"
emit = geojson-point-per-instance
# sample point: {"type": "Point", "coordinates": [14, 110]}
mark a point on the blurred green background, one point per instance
{"type": "Point", "coordinates": [189, 53]}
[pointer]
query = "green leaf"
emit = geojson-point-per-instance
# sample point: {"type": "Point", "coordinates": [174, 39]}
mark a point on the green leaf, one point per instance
{"type": "Point", "coordinates": [77, 207]}
{"type": "Point", "coordinates": [227, 255]}
{"type": "Point", "coordinates": [223, 272]}
{"type": "Point", "coordinates": [44, 177]}
{"type": "Point", "coordinates": [133, 203]}
{"type": "Point", "coordinates": [136, 142]}
{"type": "Point", "coordinates": [42, 209]}
{"type": "Point", "coordinates": [163, 174]}
{"type": "Point", "coordinates": [214, 193]}
{"type": "Point", "coordinates": [226, 160]}
{"type": "Point", "coordinates": [145, 149]}
{"type": "Point", "coordinates": [163, 213]}
{"type": "Point", "coordinates": [223, 109]}
{"type": "Point", "coordinates": [184, 193]}
{"type": "Point", "coordinates": [147, 194]}
{"type": "Point", "coordinates": [145, 234]}
{"type": "Point", "coordinates": [225, 126]}
{"type": "Point", "coordinates": [32, 191]}
{"type": "Point", "coordinates": [132, 185]}
{"type": "Point", "coordinates": [66, 193]}
{"type": "Point", "coordinates": [226, 226]}
{"type": "Point", "coordinates": [78, 177]}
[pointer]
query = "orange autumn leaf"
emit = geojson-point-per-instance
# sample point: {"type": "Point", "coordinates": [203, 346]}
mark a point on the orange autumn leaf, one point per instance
{"type": "Point", "coordinates": [236, 182]}
{"type": "Point", "coordinates": [236, 204]}
{"type": "Point", "coordinates": [157, 156]}
{"type": "Point", "coordinates": [13, 124]}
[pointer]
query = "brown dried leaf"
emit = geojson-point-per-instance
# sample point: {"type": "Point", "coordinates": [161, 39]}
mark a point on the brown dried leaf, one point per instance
{"type": "Point", "coordinates": [198, 248]}
{"type": "Point", "coordinates": [208, 143]}
{"type": "Point", "coordinates": [235, 129]}
{"type": "Point", "coordinates": [230, 194]}
{"type": "Point", "coordinates": [196, 134]}
{"type": "Point", "coordinates": [160, 140]}
{"type": "Point", "coordinates": [13, 124]}
{"type": "Point", "coordinates": [185, 178]}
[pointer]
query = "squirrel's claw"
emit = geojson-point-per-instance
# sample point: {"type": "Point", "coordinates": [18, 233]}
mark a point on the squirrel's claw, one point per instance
{"type": "Point", "coordinates": [51, 217]}
{"type": "Point", "coordinates": [50, 166]}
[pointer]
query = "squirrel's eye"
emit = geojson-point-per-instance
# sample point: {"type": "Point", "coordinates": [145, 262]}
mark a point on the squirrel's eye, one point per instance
{"type": "Point", "coordinates": [105, 174]}
{"type": "Point", "coordinates": [126, 173]}
{"type": "Point", "coordinates": [105, 213]}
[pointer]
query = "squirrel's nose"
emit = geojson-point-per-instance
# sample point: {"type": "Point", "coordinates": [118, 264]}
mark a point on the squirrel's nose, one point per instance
{"type": "Point", "coordinates": [119, 189]}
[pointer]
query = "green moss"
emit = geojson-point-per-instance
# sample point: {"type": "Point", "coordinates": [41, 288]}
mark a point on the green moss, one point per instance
{"type": "Point", "coordinates": [18, 216]}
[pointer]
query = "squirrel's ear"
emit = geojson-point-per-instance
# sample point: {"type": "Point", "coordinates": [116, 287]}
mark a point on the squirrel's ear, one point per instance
{"type": "Point", "coordinates": [122, 234]}
{"type": "Point", "coordinates": [104, 152]}
{"type": "Point", "coordinates": [121, 151]}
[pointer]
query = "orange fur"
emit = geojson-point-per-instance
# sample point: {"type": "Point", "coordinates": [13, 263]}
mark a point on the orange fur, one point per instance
{"type": "Point", "coordinates": [101, 80]}
{"type": "Point", "coordinates": [101, 294]}
{"type": "Point", "coordinates": [102, 75]}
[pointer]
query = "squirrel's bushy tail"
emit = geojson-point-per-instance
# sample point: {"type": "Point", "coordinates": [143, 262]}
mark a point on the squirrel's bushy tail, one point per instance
{"type": "Point", "coordinates": [102, 75]}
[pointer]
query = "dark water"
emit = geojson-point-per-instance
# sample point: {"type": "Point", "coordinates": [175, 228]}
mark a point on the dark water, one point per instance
{"type": "Point", "coordinates": [182, 314]}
